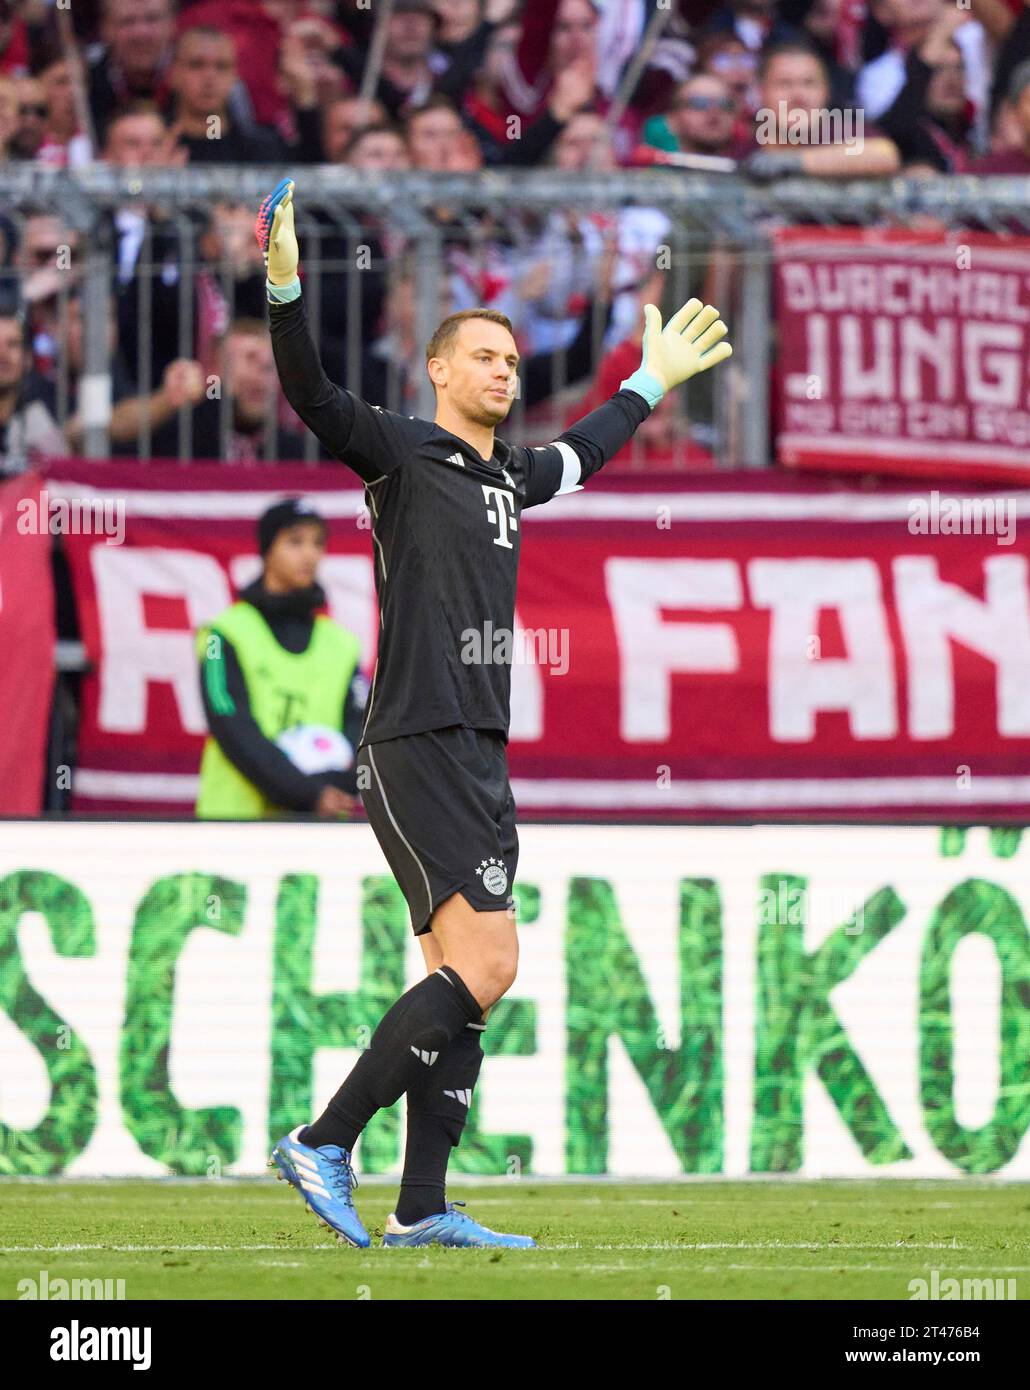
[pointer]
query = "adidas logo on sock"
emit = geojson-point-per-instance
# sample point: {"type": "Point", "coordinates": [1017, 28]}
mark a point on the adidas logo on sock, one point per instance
{"type": "Point", "coordinates": [428, 1057]}
{"type": "Point", "coordinates": [464, 1096]}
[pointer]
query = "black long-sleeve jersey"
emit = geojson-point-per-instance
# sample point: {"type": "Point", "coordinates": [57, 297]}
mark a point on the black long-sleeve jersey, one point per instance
{"type": "Point", "coordinates": [446, 532]}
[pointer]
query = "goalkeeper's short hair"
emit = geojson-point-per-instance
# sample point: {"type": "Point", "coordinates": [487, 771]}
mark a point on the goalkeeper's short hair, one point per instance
{"type": "Point", "coordinates": [441, 343]}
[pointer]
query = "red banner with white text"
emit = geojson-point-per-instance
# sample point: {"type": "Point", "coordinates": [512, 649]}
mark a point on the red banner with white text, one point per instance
{"type": "Point", "coordinates": [747, 646]}
{"type": "Point", "coordinates": [903, 352]}
{"type": "Point", "coordinates": [26, 646]}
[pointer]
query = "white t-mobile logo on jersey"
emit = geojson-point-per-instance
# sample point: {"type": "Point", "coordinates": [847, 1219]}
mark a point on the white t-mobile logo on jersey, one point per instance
{"type": "Point", "coordinates": [504, 515]}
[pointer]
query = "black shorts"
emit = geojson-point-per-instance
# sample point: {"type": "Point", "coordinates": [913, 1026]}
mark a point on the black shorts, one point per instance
{"type": "Point", "coordinates": [442, 810]}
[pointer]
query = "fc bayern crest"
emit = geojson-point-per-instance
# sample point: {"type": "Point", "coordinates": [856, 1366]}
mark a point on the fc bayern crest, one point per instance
{"type": "Point", "coordinates": [494, 875]}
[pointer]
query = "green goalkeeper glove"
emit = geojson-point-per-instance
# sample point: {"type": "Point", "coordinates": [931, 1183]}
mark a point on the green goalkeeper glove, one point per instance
{"type": "Point", "coordinates": [276, 236]}
{"type": "Point", "coordinates": [690, 342]}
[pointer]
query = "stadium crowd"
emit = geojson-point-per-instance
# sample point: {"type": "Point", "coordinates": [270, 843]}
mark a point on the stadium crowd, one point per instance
{"type": "Point", "coordinates": [835, 89]}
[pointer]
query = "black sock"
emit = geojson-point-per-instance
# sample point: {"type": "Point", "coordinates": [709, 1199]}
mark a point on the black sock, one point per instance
{"type": "Point", "coordinates": [411, 1037]}
{"type": "Point", "coordinates": [438, 1107]}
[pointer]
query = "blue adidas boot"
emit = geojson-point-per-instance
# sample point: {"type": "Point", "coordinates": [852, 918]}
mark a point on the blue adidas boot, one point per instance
{"type": "Point", "coordinates": [454, 1228]}
{"type": "Point", "coordinates": [325, 1179]}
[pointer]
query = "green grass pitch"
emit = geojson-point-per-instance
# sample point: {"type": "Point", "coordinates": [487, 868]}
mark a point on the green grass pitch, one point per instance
{"type": "Point", "coordinates": [690, 1240]}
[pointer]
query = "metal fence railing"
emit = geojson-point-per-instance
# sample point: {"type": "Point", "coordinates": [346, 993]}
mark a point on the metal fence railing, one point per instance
{"type": "Point", "coordinates": [126, 276]}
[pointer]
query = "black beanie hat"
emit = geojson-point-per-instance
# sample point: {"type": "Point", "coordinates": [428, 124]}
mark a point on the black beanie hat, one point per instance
{"type": "Point", "coordinates": [286, 513]}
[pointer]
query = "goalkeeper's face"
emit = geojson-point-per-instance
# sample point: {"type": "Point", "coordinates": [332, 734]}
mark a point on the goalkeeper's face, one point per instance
{"type": "Point", "coordinates": [477, 377]}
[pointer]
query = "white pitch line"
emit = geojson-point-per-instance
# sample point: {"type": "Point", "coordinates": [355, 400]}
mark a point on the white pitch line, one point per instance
{"type": "Point", "coordinates": [762, 1245]}
{"type": "Point", "coordinates": [663, 1245]}
{"type": "Point", "coordinates": [153, 1250]}
{"type": "Point", "coordinates": [573, 1198]}
{"type": "Point", "coordinates": [704, 1202]}
{"type": "Point", "coordinates": [982, 1270]}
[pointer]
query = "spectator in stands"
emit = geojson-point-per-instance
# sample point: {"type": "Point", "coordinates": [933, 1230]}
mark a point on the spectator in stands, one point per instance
{"type": "Point", "coordinates": [270, 663]}
{"type": "Point", "coordinates": [433, 132]}
{"type": "Point", "coordinates": [479, 102]}
{"type": "Point", "coordinates": [231, 283]}
{"type": "Point", "coordinates": [590, 35]}
{"type": "Point", "coordinates": [664, 441]}
{"type": "Point", "coordinates": [183, 384]}
{"type": "Point", "coordinates": [249, 379]}
{"type": "Point", "coordinates": [575, 34]}
{"type": "Point", "coordinates": [670, 61]}
{"type": "Point", "coordinates": [65, 143]}
{"type": "Point", "coordinates": [343, 118]}
{"type": "Point", "coordinates": [47, 262]}
{"type": "Point", "coordinates": [30, 129]}
{"type": "Point", "coordinates": [478, 23]}
{"type": "Point", "coordinates": [554, 36]}
{"type": "Point", "coordinates": [729, 58]}
{"type": "Point", "coordinates": [203, 74]}
{"type": "Point", "coordinates": [388, 357]}
{"type": "Point", "coordinates": [1016, 159]}
{"type": "Point", "coordinates": [378, 149]}
{"type": "Point", "coordinates": [1013, 40]}
{"type": "Point", "coordinates": [551, 284]}
{"type": "Point", "coordinates": [457, 20]}
{"type": "Point", "coordinates": [820, 22]}
{"type": "Point", "coordinates": [754, 22]}
{"type": "Point", "coordinates": [461, 20]}
{"type": "Point", "coordinates": [930, 119]}
{"type": "Point", "coordinates": [27, 425]}
{"type": "Point", "coordinates": [147, 249]}
{"type": "Point", "coordinates": [261, 29]}
{"type": "Point", "coordinates": [410, 63]}
{"type": "Point", "coordinates": [47, 246]}
{"type": "Point", "coordinates": [137, 137]}
{"type": "Point", "coordinates": [8, 114]}
{"type": "Point", "coordinates": [466, 156]}
{"type": "Point", "coordinates": [584, 143]}
{"type": "Point", "coordinates": [135, 60]}
{"type": "Point", "coordinates": [512, 142]}
{"type": "Point", "coordinates": [794, 92]}
{"type": "Point", "coordinates": [310, 80]}
{"type": "Point", "coordinates": [909, 24]}
{"type": "Point", "coordinates": [133, 416]}
{"type": "Point", "coordinates": [702, 116]}
{"type": "Point", "coordinates": [614, 249]}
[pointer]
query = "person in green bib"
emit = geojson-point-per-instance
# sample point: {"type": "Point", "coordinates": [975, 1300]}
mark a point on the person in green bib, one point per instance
{"type": "Point", "coordinates": [283, 694]}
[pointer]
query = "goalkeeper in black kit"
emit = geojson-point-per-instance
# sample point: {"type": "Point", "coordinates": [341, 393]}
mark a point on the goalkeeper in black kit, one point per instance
{"type": "Point", "coordinates": [446, 499]}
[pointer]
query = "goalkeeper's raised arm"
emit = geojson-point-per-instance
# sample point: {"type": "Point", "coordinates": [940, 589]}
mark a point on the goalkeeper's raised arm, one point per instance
{"type": "Point", "coordinates": [691, 342]}
{"type": "Point", "coordinates": [371, 441]}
